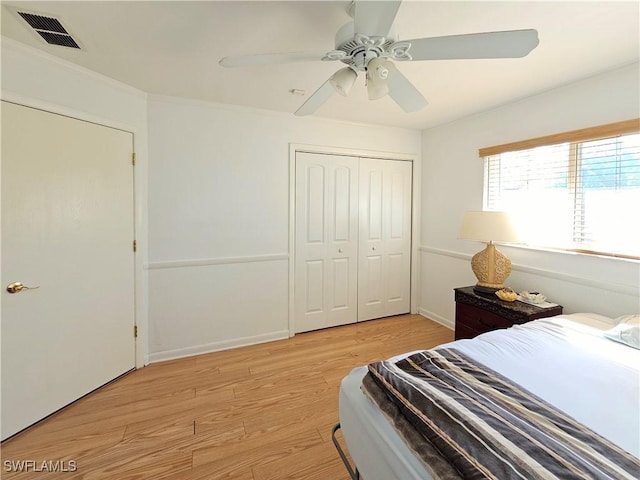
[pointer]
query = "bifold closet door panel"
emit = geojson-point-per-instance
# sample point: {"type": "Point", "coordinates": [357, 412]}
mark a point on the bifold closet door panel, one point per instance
{"type": "Point", "coordinates": [326, 246]}
{"type": "Point", "coordinates": [384, 265]}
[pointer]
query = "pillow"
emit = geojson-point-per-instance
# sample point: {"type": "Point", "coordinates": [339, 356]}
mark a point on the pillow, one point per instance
{"type": "Point", "coordinates": [627, 331]}
{"type": "Point", "coordinates": [592, 320]}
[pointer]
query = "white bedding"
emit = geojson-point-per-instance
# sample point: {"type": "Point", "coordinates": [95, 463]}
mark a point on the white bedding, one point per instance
{"type": "Point", "coordinates": [565, 360]}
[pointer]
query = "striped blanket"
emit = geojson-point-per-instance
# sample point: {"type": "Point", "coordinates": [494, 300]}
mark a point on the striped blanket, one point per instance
{"type": "Point", "coordinates": [488, 427]}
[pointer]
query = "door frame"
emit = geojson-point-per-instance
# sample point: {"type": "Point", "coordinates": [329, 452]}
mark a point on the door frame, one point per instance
{"type": "Point", "coordinates": [139, 213]}
{"type": "Point", "coordinates": [352, 152]}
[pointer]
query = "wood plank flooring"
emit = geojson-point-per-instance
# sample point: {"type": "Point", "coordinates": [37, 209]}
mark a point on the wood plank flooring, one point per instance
{"type": "Point", "coordinates": [262, 412]}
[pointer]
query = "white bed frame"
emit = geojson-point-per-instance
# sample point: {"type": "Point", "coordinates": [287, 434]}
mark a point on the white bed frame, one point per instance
{"type": "Point", "coordinates": [600, 370]}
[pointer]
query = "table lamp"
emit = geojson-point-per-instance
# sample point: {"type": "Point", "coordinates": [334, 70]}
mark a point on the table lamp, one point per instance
{"type": "Point", "coordinates": [490, 266]}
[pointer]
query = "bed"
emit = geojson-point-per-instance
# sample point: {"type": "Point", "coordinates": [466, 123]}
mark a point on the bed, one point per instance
{"type": "Point", "coordinates": [580, 366]}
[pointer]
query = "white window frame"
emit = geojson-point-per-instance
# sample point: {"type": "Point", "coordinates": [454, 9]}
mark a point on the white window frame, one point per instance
{"type": "Point", "coordinates": [570, 143]}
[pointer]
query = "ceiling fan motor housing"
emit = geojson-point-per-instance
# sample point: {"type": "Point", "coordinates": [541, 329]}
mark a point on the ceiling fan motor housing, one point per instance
{"type": "Point", "coordinates": [359, 49]}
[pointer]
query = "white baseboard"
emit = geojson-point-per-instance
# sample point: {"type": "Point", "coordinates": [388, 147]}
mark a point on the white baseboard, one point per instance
{"type": "Point", "coordinates": [217, 346]}
{"type": "Point", "coordinates": [437, 318]}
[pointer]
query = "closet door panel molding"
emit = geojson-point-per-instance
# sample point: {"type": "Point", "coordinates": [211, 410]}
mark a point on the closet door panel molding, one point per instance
{"type": "Point", "coordinates": [326, 220]}
{"type": "Point", "coordinates": [384, 267]}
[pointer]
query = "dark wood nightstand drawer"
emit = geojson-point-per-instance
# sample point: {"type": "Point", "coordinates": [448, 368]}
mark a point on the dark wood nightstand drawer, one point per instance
{"type": "Point", "coordinates": [479, 320]}
{"type": "Point", "coordinates": [462, 331]}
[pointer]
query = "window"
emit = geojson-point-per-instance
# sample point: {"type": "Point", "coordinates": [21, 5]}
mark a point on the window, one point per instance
{"type": "Point", "coordinates": [577, 191]}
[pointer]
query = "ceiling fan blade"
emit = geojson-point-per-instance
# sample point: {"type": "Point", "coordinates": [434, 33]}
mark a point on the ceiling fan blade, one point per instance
{"type": "Point", "coordinates": [507, 44]}
{"type": "Point", "coordinates": [374, 18]}
{"type": "Point", "coordinates": [316, 100]}
{"type": "Point", "coordinates": [402, 91]}
{"type": "Point", "coordinates": [269, 59]}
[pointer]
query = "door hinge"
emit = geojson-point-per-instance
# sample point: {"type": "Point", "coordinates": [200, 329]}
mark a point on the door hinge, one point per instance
{"type": "Point", "coordinates": [135, 246]}
{"type": "Point", "coordinates": [135, 331]}
{"type": "Point", "coordinates": [133, 158]}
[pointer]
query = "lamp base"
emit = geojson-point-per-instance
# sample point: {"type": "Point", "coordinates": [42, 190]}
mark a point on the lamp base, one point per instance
{"type": "Point", "coordinates": [491, 267]}
{"type": "Point", "coordinates": [480, 290]}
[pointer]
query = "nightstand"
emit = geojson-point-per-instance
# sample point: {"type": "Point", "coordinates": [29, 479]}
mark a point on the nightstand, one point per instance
{"type": "Point", "coordinates": [476, 314]}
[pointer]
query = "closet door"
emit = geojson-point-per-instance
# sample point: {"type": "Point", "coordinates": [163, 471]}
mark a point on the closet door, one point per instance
{"type": "Point", "coordinates": [325, 241]}
{"type": "Point", "coordinates": [384, 266]}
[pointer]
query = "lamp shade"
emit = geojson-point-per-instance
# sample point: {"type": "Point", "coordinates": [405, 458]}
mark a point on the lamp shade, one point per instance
{"type": "Point", "coordinates": [343, 80]}
{"type": "Point", "coordinates": [488, 227]}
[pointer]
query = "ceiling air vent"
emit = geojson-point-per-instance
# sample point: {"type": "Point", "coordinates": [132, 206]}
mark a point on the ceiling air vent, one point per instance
{"type": "Point", "coordinates": [50, 29]}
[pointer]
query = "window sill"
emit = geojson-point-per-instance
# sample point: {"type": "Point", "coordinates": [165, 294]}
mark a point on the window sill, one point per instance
{"type": "Point", "coordinates": [568, 251]}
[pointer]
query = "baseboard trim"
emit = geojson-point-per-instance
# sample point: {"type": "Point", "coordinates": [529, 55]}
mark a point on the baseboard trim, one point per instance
{"type": "Point", "coordinates": [217, 346]}
{"type": "Point", "coordinates": [437, 318]}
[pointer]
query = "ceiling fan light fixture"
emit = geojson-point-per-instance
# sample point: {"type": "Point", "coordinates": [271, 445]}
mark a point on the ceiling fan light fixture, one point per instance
{"type": "Point", "coordinates": [377, 78]}
{"type": "Point", "coordinates": [377, 91]}
{"type": "Point", "coordinates": [343, 80]}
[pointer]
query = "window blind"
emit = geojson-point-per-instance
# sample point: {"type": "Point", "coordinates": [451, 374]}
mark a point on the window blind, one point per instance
{"type": "Point", "coordinates": [580, 195]}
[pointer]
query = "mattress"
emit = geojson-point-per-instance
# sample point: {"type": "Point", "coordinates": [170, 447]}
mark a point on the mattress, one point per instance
{"type": "Point", "coordinates": [565, 360]}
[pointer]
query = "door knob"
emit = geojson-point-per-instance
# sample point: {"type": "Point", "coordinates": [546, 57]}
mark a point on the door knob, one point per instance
{"type": "Point", "coordinates": [17, 287]}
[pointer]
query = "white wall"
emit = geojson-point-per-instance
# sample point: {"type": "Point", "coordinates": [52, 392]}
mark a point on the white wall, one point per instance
{"type": "Point", "coordinates": [452, 183]}
{"type": "Point", "coordinates": [218, 199]}
{"type": "Point", "coordinates": [34, 78]}
{"type": "Point", "coordinates": [214, 271]}
{"type": "Point", "coordinates": [219, 218]}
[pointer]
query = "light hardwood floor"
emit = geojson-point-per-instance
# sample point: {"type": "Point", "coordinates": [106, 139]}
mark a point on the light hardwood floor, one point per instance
{"type": "Point", "coordinates": [253, 413]}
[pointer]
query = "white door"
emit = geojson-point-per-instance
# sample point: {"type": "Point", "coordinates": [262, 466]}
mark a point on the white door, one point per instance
{"type": "Point", "coordinates": [326, 229]}
{"type": "Point", "coordinates": [384, 265]}
{"type": "Point", "coordinates": [67, 229]}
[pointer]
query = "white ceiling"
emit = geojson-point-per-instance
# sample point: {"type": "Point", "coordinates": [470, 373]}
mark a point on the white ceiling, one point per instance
{"type": "Point", "coordinates": [173, 48]}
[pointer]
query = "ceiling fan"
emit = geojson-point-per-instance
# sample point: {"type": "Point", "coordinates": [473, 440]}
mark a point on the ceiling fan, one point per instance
{"type": "Point", "coordinates": [369, 44]}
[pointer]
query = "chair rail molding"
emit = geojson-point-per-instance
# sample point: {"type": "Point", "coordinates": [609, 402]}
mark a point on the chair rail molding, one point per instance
{"type": "Point", "coordinates": [622, 288]}
{"type": "Point", "coordinates": [203, 262]}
